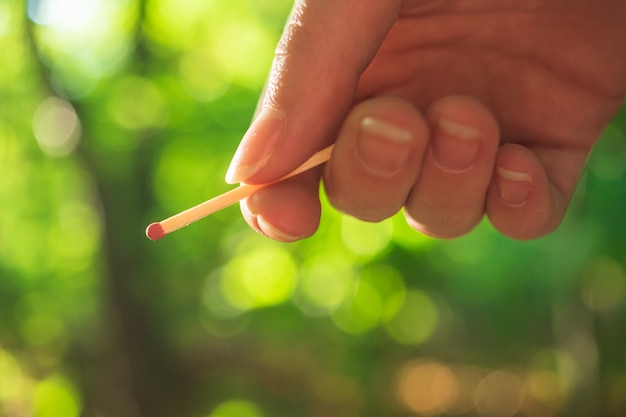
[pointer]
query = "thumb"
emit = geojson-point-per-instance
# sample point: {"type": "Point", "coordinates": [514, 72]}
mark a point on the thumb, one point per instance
{"type": "Point", "coordinates": [325, 47]}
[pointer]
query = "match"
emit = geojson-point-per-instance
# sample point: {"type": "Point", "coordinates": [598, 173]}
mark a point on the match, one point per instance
{"type": "Point", "coordinates": [157, 230]}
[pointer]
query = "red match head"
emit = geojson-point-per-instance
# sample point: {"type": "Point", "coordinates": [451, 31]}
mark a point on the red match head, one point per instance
{"type": "Point", "coordinates": [155, 231]}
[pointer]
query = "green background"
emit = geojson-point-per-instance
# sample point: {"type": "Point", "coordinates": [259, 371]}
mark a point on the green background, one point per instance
{"type": "Point", "coordinates": [117, 113]}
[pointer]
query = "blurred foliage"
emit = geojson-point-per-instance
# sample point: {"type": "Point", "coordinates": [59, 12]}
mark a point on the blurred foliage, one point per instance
{"type": "Point", "coordinates": [117, 113]}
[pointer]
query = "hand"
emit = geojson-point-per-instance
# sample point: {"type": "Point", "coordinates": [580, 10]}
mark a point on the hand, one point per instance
{"type": "Point", "coordinates": [451, 109]}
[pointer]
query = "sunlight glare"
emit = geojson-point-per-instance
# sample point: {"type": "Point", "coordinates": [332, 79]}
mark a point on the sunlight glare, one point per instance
{"type": "Point", "coordinates": [63, 15]}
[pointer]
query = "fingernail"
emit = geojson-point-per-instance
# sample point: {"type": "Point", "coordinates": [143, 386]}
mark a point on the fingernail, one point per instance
{"type": "Point", "coordinates": [455, 146]}
{"type": "Point", "coordinates": [382, 147]}
{"type": "Point", "coordinates": [513, 186]}
{"type": "Point", "coordinates": [273, 232]}
{"type": "Point", "coordinates": [256, 146]}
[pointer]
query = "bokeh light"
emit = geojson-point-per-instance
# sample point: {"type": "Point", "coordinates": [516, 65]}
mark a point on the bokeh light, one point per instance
{"type": "Point", "coordinates": [199, 76]}
{"type": "Point", "coordinates": [5, 18]}
{"type": "Point", "coordinates": [42, 326]}
{"type": "Point", "coordinates": [556, 361]}
{"type": "Point", "coordinates": [389, 284]}
{"type": "Point", "coordinates": [603, 284]}
{"type": "Point", "coordinates": [56, 397]}
{"type": "Point", "coordinates": [75, 238]}
{"type": "Point", "coordinates": [427, 387]}
{"type": "Point", "coordinates": [236, 408]}
{"type": "Point", "coordinates": [254, 45]}
{"type": "Point", "coordinates": [374, 297]}
{"type": "Point", "coordinates": [416, 320]}
{"type": "Point", "coordinates": [472, 249]}
{"type": "Point", "coordinates": [547, 394]}
{"type": "Point", "coordinates": [56, 127]}
{"type": "Point", "coordinates": [64, 15]}
{"type": "Point", "coordinates": [361, 311]}
{"type": "Point", "coordinates": [263, 277]}
{"type": "Point", "coordinates": [365, 239]}
{"type": "Point", "coordinates": [468, 378]}
{"type": "Point", "coordinates": [325, 282]}
{"type": "Point", "coordinates": [139, 104]}
{"type": "Point", "coordinates": [500, 394]}
{"type": "Point", "coordinates": [82, 41]}
{"type": "Point", "coordinates": [12, 382]}
{"type": "Point", "coordinates": [337, 395]}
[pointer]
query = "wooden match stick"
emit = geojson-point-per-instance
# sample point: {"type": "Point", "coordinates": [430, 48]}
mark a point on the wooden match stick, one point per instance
{"type": "Point", "coordinates": [156, 231]}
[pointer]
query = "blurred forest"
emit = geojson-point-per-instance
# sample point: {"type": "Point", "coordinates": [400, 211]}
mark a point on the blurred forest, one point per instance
{"type": "Point", "coordinates": [117, 113]}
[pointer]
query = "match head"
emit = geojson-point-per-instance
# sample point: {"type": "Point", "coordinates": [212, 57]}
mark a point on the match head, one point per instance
{"type": "Point", "coordinates": [155, 231]}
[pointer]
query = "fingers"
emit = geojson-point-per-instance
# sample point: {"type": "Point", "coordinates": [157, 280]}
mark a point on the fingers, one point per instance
{"type": "Point", "coordinates": [524, 192]}
{"type": "Point", "coordinates": [375, 162]}
{"type": "Point", "coordinates": [531, 189]}
{"type": "Point", "coordinates": [446, 168]}
{"type": "Point", "coordinates": [448, 200]}
{"type": "Point", "coordinates": [377, 158]}
{"type": "Point", "coordinates": [323, 51]}
{"type": "Point", "coordinates": [325, 47]}
{"type": "Point", "coordinates": [287, 211]}
{"type": "Point", "coordinates": [383, 160]}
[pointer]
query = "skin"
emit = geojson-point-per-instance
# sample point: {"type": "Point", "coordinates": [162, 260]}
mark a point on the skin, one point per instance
{"type": "Point", "coordinates": [487, 91]}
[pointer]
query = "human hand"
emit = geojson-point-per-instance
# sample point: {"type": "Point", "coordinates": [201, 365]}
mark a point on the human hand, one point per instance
{"type": "Point", "coordinates": [450, 109]}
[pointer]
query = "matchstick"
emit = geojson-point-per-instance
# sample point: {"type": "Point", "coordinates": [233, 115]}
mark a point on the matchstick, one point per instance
{"type": "Point", "coordinates": [156, 231]}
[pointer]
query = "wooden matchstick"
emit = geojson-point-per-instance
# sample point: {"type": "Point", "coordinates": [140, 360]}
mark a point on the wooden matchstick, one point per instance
{"type": "Point", "coordinates": [156, 231]}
